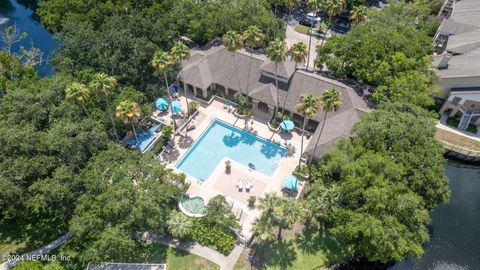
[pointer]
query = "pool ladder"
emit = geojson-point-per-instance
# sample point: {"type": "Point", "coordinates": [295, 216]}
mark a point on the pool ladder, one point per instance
{"type": "Point", "coordinates": [274, 164]}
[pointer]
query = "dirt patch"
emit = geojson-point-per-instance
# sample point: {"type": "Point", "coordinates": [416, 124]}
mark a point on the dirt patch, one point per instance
{"type": "Point", "coordinates": [457, 140]}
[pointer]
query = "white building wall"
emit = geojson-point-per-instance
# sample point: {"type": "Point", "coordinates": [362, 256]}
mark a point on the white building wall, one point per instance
{"type": "Point", "coordinates": [446, 84]}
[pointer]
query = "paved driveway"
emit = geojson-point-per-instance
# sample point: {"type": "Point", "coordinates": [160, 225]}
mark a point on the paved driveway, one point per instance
{"type": "Point", "coordinates": [293, 37]}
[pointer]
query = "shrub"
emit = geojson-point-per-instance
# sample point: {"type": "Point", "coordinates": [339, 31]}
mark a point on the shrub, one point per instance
{"type": "Point", "coordinates": [472, 129]}
{"type": "Point", "coordinates": [452, 122]}
{"type": "Point", "coordinates": [192, 106]}
{"type": "Point", "coordinates": [251, 201]}
{"type": "Point", "coordinates": [215, 237]}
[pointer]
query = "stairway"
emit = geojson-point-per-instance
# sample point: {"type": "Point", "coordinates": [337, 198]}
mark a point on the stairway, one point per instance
{"type": "Point", "coordinates": [465, 120]}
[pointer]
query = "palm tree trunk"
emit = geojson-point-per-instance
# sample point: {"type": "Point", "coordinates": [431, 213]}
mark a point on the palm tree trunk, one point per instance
{"type": "Point", "coordinates": [134, 132]}
{"type": "Point", "coordinates": [318, 139]}
{"type": "Point", "coordinates": [286, 96]}
{"type": "Point", "coordinates": [249, 68]}
{"type": "Point", "coordinates": [276, 84]}
{"type": "Point", "coordinates": [85, 109]}
{"type": "Point", "coordinates": [166, 82]}
{"type": "Point", "coordinates": [184, 88]}
{"type": "Point", "coordinates": [279, 232]}
{"type": "Point", "coordinates": [303, 135]}
{"type": "Point", "coordinates": [323, 39]}
{"type": "Point", "coordinates": [111, 118]}
{"type": "Point", "coordinates": [310, 42]}
{"type": "Point", "coordinates": [236, 73]}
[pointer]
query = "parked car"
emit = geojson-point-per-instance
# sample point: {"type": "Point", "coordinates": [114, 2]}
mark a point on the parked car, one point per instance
{"type": "Point", "coordinates": [309, 19]}
{"type": "Point", "coordinates": [341, 26]}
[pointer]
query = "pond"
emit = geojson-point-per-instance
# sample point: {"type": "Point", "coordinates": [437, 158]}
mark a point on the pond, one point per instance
{"type": "Point", "coordinates": [455, 227]}
{"type": "Point", "coordinates": [22, 15]}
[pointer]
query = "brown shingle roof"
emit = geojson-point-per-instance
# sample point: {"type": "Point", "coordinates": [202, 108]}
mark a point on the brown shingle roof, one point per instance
{"type": "Point", "coordinates": [217, 65]}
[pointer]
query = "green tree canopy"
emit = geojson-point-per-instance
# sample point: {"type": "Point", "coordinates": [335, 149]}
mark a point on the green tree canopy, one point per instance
{"type": "Point", "coordinates": [375, 191]}
{"type": "Point", "coordinates": [391, 50]}
{"type": "Point", "coordinates": [124, 193]}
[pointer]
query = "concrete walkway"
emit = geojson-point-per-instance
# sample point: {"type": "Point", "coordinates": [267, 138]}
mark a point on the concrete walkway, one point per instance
{"type": "Point", "coordinates": [225, 262]}
{"type": "Point", "coordinates": [38, 252]}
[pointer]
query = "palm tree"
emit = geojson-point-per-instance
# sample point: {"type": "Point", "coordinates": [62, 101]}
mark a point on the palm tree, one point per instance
{"type": "Point", "coordinates": [308, 108]}
{"type": "Point", "coordinates": [277, 52]}
{"type": "Point", "coordinates": [163, 62]}
{"type": "Point", "coordinates": [78, 93]}
{"type": "Point", "coordinates": [331, 100]}
{"type": "Point", "coordinates": [332, 8]}
{"type": "Point", "coordinates": [179, 53]}
{"type": "Point", "coordinates": [288, 212]}
{"type": "Point", "coordinates": [268, 203]}
{"type": "Point", "coordinates": [276, 3]}
{"type": "Point", "coordinates": [129, 112]}
{"type": "Point", "coordinates": [104, 84]}
{"type": "Point", "coordinates": [359, 14]}
{"type": "Point", "coordinates": [262, 227]}
{"type": "Point", "coordinates": [179, 225]}
{"type": "Point", "coordinates": [298, 53]}
{"type": "Point", "coordinates": [291, 5]}
{"type": "Point", "coordinates": [315, 6]}
{"type": "Point", "coordinates": [233, 42]}
{"type": "Point", "coordinates": [253, 37]}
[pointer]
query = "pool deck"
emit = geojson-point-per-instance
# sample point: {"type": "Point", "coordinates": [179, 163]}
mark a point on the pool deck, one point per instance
{"type": "Point", "coordinates": [221, 183]}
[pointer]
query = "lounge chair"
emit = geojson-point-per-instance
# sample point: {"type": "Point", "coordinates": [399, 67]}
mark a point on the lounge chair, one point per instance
{"type": "Point", "coordinates": [240, 185]}
{"type": "Point", "coordinates": [248, 186]}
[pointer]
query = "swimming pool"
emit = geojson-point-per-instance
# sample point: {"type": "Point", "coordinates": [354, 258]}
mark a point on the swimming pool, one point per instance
{"type": "Point", "coordinates": [221, 140]}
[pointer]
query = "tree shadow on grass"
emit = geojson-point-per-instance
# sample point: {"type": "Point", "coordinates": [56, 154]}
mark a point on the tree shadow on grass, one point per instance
{"type": "Point", "coordinates": [153, 253]}
{"type": "Point", "coordinates": [314, 240]}
{"type": "Point", "coordinates": [276, 253]}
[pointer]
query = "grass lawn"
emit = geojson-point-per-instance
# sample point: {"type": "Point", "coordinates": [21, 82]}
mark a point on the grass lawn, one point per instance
{"type": "Point", "coordinates": [155, 253]}
{"type": "Point", "coordinates": [458, 140]}
{"type": "Point", "coordinates": [309, 250]}
{"type": "Point", "coordinates": [302, 29]}
{"type": "Point", "coordinates": [242, 263]}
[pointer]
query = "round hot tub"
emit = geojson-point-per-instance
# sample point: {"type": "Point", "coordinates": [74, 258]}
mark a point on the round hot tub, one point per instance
{"type": "Point", "coordinates": [192, 206]}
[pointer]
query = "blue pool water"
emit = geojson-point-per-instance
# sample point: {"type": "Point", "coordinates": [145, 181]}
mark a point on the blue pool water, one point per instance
{"type": "Point", "coordinates": [222, 140]}
{"type": "Point", "coordinates": [144, 138]}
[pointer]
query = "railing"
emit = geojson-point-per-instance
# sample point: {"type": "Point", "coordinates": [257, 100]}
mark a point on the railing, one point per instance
{"type": "Point", "coordinates": [469, 112]}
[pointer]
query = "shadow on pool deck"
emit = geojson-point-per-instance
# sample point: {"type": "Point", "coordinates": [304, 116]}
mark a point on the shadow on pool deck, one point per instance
{"type": "Point", "coordinates": [227, 184]}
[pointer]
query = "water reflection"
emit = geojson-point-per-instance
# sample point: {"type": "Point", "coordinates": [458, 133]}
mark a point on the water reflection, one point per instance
{"type": "Point", "coordinates": [21, 15]}
{"type": "Point", "coordinates": [455, 232]}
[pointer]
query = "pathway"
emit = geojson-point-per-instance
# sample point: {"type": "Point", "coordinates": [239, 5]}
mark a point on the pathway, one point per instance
{"type": "Point", "coordinates": [225, 262]}
{"type": "Point", "coordinates": [38, 252]}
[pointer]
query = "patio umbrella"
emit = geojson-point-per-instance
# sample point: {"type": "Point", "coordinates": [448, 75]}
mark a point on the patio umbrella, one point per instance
{"type": "Point", "coordinates": [162, 104]}
{"type": "Point", "coordinates": [290, 182]}
{"type": "Point", "coordinates": [176, 107]}
{"type": "Point", "coordinates": [287, 125]}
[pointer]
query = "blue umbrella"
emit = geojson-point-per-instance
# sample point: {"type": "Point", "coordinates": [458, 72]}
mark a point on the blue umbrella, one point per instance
{"type": "Point", "coordinates": [290, 182]}
{"type": "Point", "coordinates": [287, 125]}
{"type": "Point", "coordinates": [176, 107]}
{"type": "Point", "coordinates": [162, 104]}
